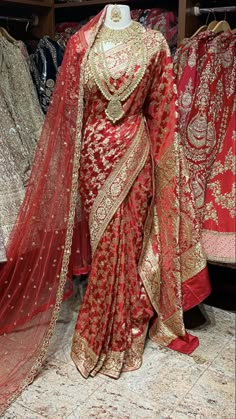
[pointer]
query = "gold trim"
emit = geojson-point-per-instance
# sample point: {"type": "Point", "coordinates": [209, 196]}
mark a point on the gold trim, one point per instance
{"type": "Point", "coordinates": [217, 233]}
{"type": "Point", "coordinates": [65, 260]}
{"type": "Point", "coordinates": [213, 255]}
{"type": "Point", "coordinates": [112, 363]}
{"type": "Point", "coordinates": [117, 186]}
{"type": "Point", "coordinates": [225, 261]}
{"type": "Point", "coordinates": [161, 332]}
{"type": "Point", "coordinates": [192, 262]}
{"type": "Point", "coordinates": [151, 265]}
{"type": "Point", "coordinates": [100, 72]}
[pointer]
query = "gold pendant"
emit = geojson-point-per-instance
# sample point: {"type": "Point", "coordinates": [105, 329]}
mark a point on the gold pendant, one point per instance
{"type": "Point", "coordinates": [114, 110]}
{"type": "Point", "coordinates": [116, 14]}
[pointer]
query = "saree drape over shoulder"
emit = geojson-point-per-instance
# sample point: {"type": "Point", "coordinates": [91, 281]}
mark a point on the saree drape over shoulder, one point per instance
{"type": "Point", "coordinates": [126, 186]}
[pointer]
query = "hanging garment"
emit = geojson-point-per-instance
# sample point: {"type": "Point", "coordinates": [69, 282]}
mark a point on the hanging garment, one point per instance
{"type": "Point", "coordinates": [44, 64]}
{"type": "Point", "coordinates": [65, 30]}
{"type": "Point", "coordinates": [206, 74]}
{"type": "Point", "coordinates": [21, 120]}
{"type": "Point", "coordinates": [147, 258]}
{"type": "Point", "coordinates": [159, 20]}
{"type": "Point", "coordinates": [218, 225]}
{"type": "Point", "coordinates": [3, 256]}
{"type": "Point", "coordinates": [12, 188]}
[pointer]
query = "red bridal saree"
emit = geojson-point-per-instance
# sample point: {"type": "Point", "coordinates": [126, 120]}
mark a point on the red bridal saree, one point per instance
{"type": "Point", "coordinates": [128, 186]}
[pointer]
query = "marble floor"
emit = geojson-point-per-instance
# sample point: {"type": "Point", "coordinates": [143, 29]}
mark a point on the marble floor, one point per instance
{"type": "Point", "coordinates": [169, 385]}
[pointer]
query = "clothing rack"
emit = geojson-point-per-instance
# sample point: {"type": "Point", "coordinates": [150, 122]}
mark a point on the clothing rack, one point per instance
{"type": "Point", "coordinates": [33, 20]}
{"type": "Point", "coordinates": [197, 11]}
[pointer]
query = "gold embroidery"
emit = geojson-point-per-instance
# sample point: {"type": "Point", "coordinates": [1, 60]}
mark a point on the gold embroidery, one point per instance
{"type": "Point", "coordinates": [210, 212]}
{"type": "Point", "coordinates": [192, 262]}
{"type": "Point", "coordinates": [150, 263]}
{"type": "Point", "coordinates": [115, 94]}
{"type": "Point", "coordinates": [112, 363]}
{"type": "Point", "coordinates": [116, 13]}
{"type": "Point", "coordinates": [162, 275]}
{"type": "Point", "coordinates": [116, 36]}
{"type": "Point", "coordinates": [220, 168]}
{"type": "Point", "coordinates": [117, 186]}
{"type": "Point", "coordinates": [161, 331]}
{"type": "Point", "coordinates": [224, 200]}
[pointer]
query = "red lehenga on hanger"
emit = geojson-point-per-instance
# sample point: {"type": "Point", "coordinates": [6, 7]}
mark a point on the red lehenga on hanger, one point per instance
{"type": "Point", "coordinates": [206, 74]}
{"type": "Point", "coordinates": [128, 181]}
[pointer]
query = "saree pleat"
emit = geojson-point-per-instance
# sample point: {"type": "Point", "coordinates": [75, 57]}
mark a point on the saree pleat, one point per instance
{"type": "Point", "coordinates": [114, 316]}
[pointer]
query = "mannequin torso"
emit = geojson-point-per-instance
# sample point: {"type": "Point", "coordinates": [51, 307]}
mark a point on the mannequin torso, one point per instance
{"type": "Point", "coordinates": [117, 18]}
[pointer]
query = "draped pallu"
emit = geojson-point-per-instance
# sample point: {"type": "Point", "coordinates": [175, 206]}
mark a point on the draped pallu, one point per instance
{"type": "Point", "coordinates": [127, 185]}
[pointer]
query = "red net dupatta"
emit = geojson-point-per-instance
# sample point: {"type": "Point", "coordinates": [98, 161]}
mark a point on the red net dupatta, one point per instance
{"type": "Point", "coordinates": [34, 280]}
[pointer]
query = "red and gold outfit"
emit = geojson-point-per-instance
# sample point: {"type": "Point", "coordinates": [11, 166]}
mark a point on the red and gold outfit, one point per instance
{"type": "Point", "coordinates": [206, 72]}
{"type": "Point", "coordinates": [135, 197]}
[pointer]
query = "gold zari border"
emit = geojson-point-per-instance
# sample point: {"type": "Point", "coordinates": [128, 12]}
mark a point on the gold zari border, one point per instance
{"type": "Point", "coordinates": [117, 186]}
{"type": "Point", "coordinates": [112, 363]}
{"type": "Point", "coordinates": [151, 266]}
{"type": "Point", "coordinates": [192, 262]}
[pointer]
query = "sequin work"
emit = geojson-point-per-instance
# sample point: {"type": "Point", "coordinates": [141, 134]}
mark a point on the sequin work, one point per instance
{"type": "Point", "coordinates": [20, 125]}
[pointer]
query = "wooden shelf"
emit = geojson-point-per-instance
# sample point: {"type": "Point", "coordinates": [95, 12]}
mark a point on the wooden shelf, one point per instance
{"type": "Point", "coordinates": [50, 13]}
{"type": "Point", "coordinates": [43, 3]}
{"type": "Point", "coordinates": [83, 3]}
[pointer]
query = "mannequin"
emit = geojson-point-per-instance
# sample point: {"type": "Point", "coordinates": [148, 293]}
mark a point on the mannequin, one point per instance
{"type": "Point", "coordinates": [108, 138]}
{"type": "Point", "coordinates": [117, 18]}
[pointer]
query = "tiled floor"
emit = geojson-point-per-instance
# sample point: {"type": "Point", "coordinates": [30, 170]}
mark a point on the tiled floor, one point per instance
{"type": "Point", "coordinates": [169, 385]}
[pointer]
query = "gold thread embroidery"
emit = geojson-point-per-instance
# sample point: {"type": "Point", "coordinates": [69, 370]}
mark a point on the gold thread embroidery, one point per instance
{"type": "Point", "coordinates": [111, 363]}
{"type": "Point", "coordinates": [116, 13]}
{"type": "Point", "coordinates": [116, 94]}
{"type": "Point", "coordinates": [117, 186]}
{"type": "Point", "coordinates": [192, 262]}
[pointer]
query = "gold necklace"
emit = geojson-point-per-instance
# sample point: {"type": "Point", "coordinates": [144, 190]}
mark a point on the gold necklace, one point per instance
{"type": "Point", "coordinates": [117, 36]}
{"type": "Point", "coordinates": [128, 70]}
{"type": "Point", "coordinates": [113, 95]}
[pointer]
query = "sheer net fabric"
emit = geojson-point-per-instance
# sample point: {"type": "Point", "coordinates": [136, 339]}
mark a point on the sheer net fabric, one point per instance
{"type": "Point", "coordinates": [32, 281]}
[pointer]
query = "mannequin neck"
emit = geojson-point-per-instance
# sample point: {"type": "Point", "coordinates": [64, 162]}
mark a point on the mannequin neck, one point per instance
{"type": "Point", "coordinates": [117, 16]}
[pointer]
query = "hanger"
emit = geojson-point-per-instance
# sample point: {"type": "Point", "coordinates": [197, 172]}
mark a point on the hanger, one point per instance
{"type": "Point", "coordinates": [222, 26]}
{"type": "Point", "coordinates": [199, 30]}
{"type": "Point", "coordinates": [205, 27]}
{"type": "Point", "coordinates": [27, 26]}
{"type": "Point", "coordinates": [213, 23]}
{"type": "Point", "coordinates": [6, 35]}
